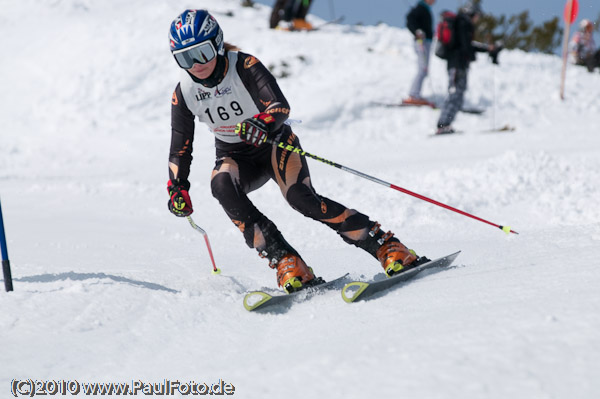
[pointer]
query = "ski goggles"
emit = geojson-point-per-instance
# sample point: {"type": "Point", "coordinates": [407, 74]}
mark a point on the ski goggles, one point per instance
{"type": "Point", "coordinates": [201, 53]}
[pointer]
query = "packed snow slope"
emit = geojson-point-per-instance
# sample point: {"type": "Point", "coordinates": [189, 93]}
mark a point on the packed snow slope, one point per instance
{"type": "Point", "coordinates": [110, 287]}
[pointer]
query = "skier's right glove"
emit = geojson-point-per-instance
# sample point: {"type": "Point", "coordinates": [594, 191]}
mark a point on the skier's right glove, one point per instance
{"type": "Point", "coordinates": [179, 203]}
{"type": "Point", "coordinates": [255, 130]}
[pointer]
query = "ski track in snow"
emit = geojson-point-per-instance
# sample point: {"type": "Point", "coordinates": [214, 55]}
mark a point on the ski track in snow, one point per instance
{"type": "Point", "coordinates": [110, 287]}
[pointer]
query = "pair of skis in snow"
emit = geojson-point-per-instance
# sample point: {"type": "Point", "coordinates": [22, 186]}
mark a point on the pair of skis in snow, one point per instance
{"type": "Point", "coordinates": [338, 20]}
{"type": "Point", "coordinates": [474, 111]}
{"type": "Point", "coordinates": [501, 129]}
{"type": "Point", "coordinates": [405, 104]}
{"type": "Point", "coordinates": [351, 292]}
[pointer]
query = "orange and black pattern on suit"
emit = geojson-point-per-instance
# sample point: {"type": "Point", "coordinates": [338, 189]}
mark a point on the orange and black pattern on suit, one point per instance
{"type": "Point", "coordinates": [238, 174]}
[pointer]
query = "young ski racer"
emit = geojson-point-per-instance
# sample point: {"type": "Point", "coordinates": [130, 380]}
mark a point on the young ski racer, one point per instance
{"type": "Point", "coordinates": [239, 101]}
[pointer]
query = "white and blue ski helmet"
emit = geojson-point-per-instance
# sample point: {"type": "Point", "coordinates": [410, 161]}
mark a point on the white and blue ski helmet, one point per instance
{"type": "Point", "coordinates": [195, 36]}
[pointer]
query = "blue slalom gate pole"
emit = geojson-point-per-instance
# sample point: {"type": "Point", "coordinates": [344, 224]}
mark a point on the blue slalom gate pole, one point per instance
{"type": "Point", "coordinates": [5, 262]}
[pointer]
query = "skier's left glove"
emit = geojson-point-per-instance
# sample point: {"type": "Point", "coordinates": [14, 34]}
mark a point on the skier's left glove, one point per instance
{"type": "Point", "coordinates": [419, 35]}
{"type": "Point", "coordinates": [179, 203]}
{"type": "Point", "coordinates": [494, 50]}
{"type": "Point", "coordinates": [255, 130]}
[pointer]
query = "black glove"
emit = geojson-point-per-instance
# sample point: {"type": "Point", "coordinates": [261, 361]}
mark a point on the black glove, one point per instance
{"type": "Point", "coordinates": [498, 46]}
{"type": "Point", "coordinates": [255, 130]}
{"type": "Point", "coordinates": [179, 203]}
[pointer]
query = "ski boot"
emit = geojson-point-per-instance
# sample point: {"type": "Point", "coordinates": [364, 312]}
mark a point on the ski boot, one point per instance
{"type": "Point", "coordinates": [395, 258]}
{"type": "Point", "coordinates": [301, 24]}
{"type": "Point", "coordinates": [445, 129]}
{"type": "Point", "coordinates": [293, 274]}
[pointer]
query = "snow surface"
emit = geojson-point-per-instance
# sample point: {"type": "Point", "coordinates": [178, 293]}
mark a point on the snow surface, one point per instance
{"type": "Point", "coordinates": [110, 287]}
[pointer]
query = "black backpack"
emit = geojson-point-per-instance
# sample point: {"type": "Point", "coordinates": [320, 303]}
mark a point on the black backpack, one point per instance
{"type": "Point", "coordinates": [444, 34]}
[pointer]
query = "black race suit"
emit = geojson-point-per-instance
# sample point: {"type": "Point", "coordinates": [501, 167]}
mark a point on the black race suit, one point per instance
{"type": "Point", "coordinates": [241, 168]}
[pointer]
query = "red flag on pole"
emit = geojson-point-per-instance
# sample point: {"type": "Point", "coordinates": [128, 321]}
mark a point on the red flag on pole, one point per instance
{"type": "Point", "coordinates": [570, 15]}
{"type": "Point", "coordinates": [571, 10]}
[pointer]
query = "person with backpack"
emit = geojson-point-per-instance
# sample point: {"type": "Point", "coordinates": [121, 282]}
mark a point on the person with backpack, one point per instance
{"type": "Point", "coordinates": [457, 46]}
{"type": "Point", "coordinates": [292, 12]}
{"type": "Point", "coordinates": [236, 97]}
{"type": "Point", "coordinates": [419, 22]}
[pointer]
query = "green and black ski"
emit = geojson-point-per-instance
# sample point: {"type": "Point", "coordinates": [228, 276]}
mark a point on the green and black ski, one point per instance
{"type": "Point", "coordinates": [360, 290]}
{"type": "Point", "coordinates": [260, 300]}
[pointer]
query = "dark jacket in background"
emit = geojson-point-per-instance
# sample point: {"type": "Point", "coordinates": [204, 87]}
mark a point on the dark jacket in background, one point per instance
{"type": "Point", "coordinates": [287, 10]}
{"type": "Point", "coordinates": [464, 47]}
{"type": "Point", "coordinates": [420, 18]}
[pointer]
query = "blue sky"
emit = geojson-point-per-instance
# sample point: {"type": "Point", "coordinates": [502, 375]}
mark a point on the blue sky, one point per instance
{"type": "Point", "coordinates": [393, 12]}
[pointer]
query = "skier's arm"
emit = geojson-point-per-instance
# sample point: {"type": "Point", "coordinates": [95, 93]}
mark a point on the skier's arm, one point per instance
{"type": "Point", "coordinates": [263, 89]}
{"type": "Point", "coordinates": [182, 137]}
{"type": "Point", "coordinates": [492, 49]}
{"type": "Point", "coordinates": [412, 21]}
{"type": "Point", "coordinates": [481, 47]}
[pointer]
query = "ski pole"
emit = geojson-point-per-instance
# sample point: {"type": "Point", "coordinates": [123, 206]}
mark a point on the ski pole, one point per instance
{"type": "Point", "coordinates": [8, 286]}
{"type": "Point", "coordinates": [303, 153]}
{"type": "Point", "coordinates": [198, 228]}
{"type": "Point", "coordinates": [331, 10]}
{"type": "Point", "coordinates": [494, 95]}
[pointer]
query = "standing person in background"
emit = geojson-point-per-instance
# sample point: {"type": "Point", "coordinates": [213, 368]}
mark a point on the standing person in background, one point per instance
{"type": "Point", "coordinates": [459, 58]}
{"type": "Point", "coordinates": [292, 12]}
{"type": "Point", "coordinates": [420, 23]}
{"type": "Point", "coordinates": [240, 102]}
{"type": "Point", "coordinates": [583, 46]}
